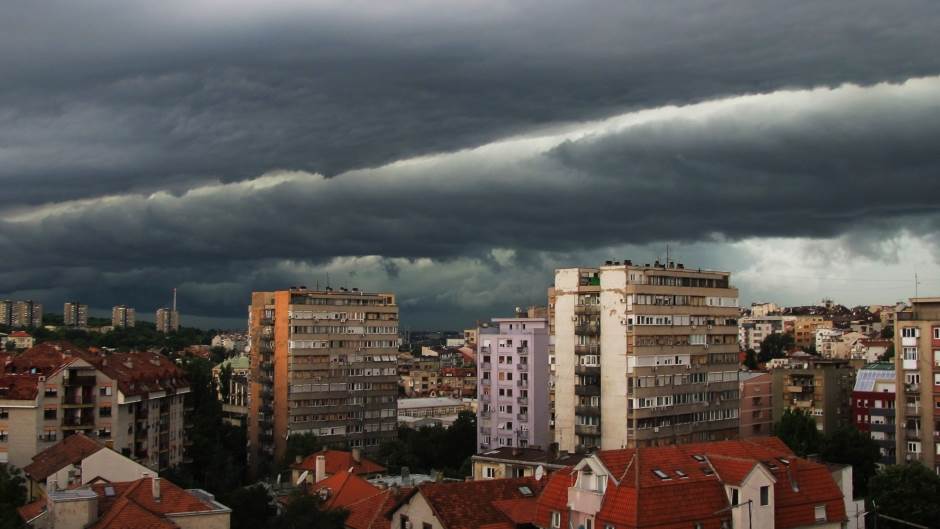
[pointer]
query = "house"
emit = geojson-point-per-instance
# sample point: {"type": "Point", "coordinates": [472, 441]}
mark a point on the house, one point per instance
{"type": "Point", "coordinates": [490, 504]}
{"type": "Point", "coordinates": [515, 462]}
{"type": "Point", "coordinates": [367, 504]}
{"type": "Point", "coordinates": [21, 340]}
{"type": "Point", "coordinates": [77, 460]}
{"type": "Point", "coordinates": [320, 465]}
{"type": "Point", "coordinates": [740, 484]}
{"type": "Point", "coordinates": [145, 503]}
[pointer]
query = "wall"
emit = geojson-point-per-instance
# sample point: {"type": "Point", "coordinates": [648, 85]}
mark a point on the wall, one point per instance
{"type": "Point", "coordinates": [566, 292]}
{"type": "Point", "coordinates": [418, 512]}
{"type": "Point", "coordinates": [613, 359]}
{"type": "Point", "coordinates": [215, 520]}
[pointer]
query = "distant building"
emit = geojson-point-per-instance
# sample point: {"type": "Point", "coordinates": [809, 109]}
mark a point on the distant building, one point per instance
{"type": "Point", "coordinates": [431, 407]}
{"type": "Point", "coordinates": [235, 406]}
{"type": "Point", "coordinates": [145, 503]}
{"type": "Point", "coordinates": [753, 330]}
{"type": "Point", "coordinates": [131, 402]}
{"type": "Point", "coordinates": [756, 404]}
{"type": "Point", "coordinates": [823, 388]}
{"type": "Point", "coordinates": [760, 310]}
{"type": "Point", "coordinates": [828, 341]}
{"type": "Point", "coordinates": [21, 340]}
{"type": "Point", "coordinates": [917, 346]}
{"type": "Point", "coordinates": [873, 406]}
{"type": "Point", "coordinates": [804, 329]}
{"type": "Point", "coordinates": [75, 314]}
{"type": "Point", "coordinates": [122, 317]}
{"type": "Point", "coordinates": [168, 320]}
{"type": "Point", "coordinates": [513, 398]}
{"type": "Point", "coordinates": [236, 342]}
{"type": "Point", "coordinates": [515, 462]}
{"type": "Point", "coordinates": [20, 314]}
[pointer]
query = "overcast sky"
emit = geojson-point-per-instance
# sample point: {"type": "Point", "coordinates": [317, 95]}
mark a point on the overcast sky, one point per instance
{"type": "Point", "coordinates": [458, 153]}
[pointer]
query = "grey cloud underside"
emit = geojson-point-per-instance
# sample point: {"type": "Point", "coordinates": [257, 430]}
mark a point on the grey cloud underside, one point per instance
{"type": "Point", "coordinates": [118, 98]}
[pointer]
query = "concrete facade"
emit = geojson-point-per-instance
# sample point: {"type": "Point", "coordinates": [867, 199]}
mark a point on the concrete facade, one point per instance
{"type": "Point", "coordinates": [644, 355]}
{"type": "Point", "coordinates": [756, 404]}
{"type": "Point", "coordinates": [917, 362]}
{"type": "Point", "coordinates": [512, 367]}
{"type": "Point", "coordinates": [823, 388]}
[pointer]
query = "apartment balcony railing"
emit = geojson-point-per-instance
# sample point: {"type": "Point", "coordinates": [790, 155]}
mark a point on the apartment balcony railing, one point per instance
{"type": "Point", "coordinates": [522, 367]}
{"type": "Point", "coordinates": [522, 350]}
{"type": "Point", "coordinates": [587, 390]}
{"type": "Point", "coordinates": [912, 388]}
{"type": "Point", "coordinates": [86, 380]}
{"type": "Point", "coordinates": [587, 429]}
{"type": "Point", "coordinates": [78, 422]}
{"type": "Point", "coordinates": [78, 401]}
{"type": "Point", "coordinates": [912, 409]}
{"type": "Point", "coordinates": [587, 309]}
{"type": "Point", "coordinates": [592, 349]}
{"type": "Point", "coordinates": [486, 381]}
{"type": "Point", "coordinates": [522, 384]}
{"type": "Point", "coordinates": [486, 365]}
{"type": "Point", "coordinates": [912, 433]}
{"type": "Point", "coordinates": [524, 401]}
{"type": "Point", "coordinates": [484, 349]}
{"type": "Point", "coordinates": [587, 329]}
{"type": "Point", "coordinates": [587, 370]}
{"type": "Point", "coordinates": [589, 411]}
{"type": "Point", "coordinates": [523, 417]}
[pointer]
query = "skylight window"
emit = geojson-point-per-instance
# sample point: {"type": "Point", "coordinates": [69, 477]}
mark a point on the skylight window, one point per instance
{"type": "Point", "coordinates": [698, 457]}
{"type": "Point", "coordinates": [681, 474]}
{"type": "Point", "coordinates": [525, 491]}
{"type": "Point", "coordinates": [660, 474]}
{"type": "Point", "coordinates": [708, 471]}
{"type": "Point", "coordinates": [784, 460]}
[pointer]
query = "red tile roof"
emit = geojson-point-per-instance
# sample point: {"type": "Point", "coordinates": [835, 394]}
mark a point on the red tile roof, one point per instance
{"type": "Point", "coordinates": [342, 489]}
{"type": "Point", "coordinates": [338, 461]}
{"type": "Point", "coordinates": [476, 504]}
{"type": "Point", "coordinates": [19, 334]}
{"type": "Point", "coordinates": [32, 510]}
{"type": "Point", "coordinates": [69, 451]}
{"type": "Point", "coordinates": [693, 489]}
{"type": "Point", "coordinates": [372, 512]}
{"type": "Point", "coordinates": [19, 387]}
{"type": "Point", "coordinates": [46, 358]}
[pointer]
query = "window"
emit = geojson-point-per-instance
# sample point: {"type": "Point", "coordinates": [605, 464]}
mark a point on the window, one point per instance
{"type": "Point", "coordinates": [909, 332]}
{"type": "Point", "coordinates": [589, 523]}
{"type": "Point", "coordinates": [4, 414]}
{"type": "Point", "coordinates": [556, 520]}
{"type": "Point", "coordinates": [3, 435]}
{"type": "Point", "coordinates": [425, 525]}
{"type": "Point", "coordinates": [821, 513]}
{"type": "Point", "coordinates": [104, 411]}
{"type": "Point", "coordinates": [734, 496]}
{"type": "Point", "coordinates": [765, 495]}
{"type": "Point", "coordinates": [50, 414]}
{"type": "Point", "coordinates": [489, 472]}
{"type": "Point", "coordinates": [104, 391]}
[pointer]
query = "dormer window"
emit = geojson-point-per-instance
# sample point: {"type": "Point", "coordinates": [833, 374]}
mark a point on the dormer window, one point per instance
{"type": "Point", "coordinates": [734, 496]}
{"type": "Point", "coordinates": [660, 474]}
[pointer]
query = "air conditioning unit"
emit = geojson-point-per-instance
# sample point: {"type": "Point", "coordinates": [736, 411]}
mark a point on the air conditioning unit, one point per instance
{"type": "Point", "coordinates": [574, 318]}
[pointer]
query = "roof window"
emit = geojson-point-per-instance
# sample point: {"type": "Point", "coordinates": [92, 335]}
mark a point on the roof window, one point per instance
{"type": "Point", "coordinates": [660, 474]}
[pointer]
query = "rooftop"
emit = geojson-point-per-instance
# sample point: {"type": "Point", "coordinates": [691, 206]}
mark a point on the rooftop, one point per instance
{"type": "Point", "coordinates": [69, 451]}
{"type": "Point", "coordinates": [475, 504]}
{"type": "Point", "coordinates": [427, 402]}
{"type": "Point", "coordinates": [530, 455]}
{"type": "Point", "coordinates": [338, 461]}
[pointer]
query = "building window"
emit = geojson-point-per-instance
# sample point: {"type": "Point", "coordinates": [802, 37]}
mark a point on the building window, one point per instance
{"type": "Point", "coordinates": [50, 414]}
{"type": "Point", "coordinates": [734, 496]}
{"type": "Point", "coordinates": [425, 525]}
{"type": "Point", "coordinates": [489, 472]}
{"type": "Point", "coordinates": [909, 332]}
{"type": "Point", "coordinates": [556, 520]}
{"type": "Point", "coordinates": [104, 391]}
{"type": "Point", "coordinates": [3, 436]}
{"type": "Point", "coordinates": [104, 411]}
{"type": "Point", "coordinates": [821, 513]}
{"type": "Point", "coordinates": [765, 495]}
{"type": "Point", "coordinates": [4, 414]}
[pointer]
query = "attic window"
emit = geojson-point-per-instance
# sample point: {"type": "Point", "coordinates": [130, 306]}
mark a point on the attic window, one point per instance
{"type": "Point", "coordinates": [525, 491]}
{"type": "Point", "coordinates": [109, 491]}
{"type": "Point", "coordinates": [681, 474]}
{"type": "Point", "coordinates": [660, 474]}
{"type": "Point", "coordinates": [698, 457]}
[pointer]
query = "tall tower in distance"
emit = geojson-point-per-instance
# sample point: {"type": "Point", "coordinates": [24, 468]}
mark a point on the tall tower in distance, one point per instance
{"type": "Point", "coordinates": [168, 319]}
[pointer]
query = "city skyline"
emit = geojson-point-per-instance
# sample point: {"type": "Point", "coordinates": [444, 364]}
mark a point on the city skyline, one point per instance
{"type": "Point", "coordinates": [458, 157]}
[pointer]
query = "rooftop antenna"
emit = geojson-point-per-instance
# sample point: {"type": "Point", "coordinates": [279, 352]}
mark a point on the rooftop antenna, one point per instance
{"type": "Point", "coordinates": [916, 283]}
{"type": "Point", "coordinates": [174, 299]}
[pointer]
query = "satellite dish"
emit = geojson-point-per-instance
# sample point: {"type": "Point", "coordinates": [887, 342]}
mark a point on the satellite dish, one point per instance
{"type": "Point", "coordinates": [539, 473]}
{"type": "Point", "coordinates": [303, 476]}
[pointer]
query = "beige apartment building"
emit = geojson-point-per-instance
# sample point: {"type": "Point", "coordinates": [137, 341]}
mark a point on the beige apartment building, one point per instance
{"type": "Point", "coordinates": [20, 314]}
{"type": "Point", "coordinates": [75, 314]}
{"type": "Point", "coordinates": [123, 317]}
{"type": "Point", "coordinates": [804, 329]}
{"type": "Point", "coordinates": [167, 320]}
{"type": "Point", "coordinates": [644, 355]}
{"type": "Point", "coordinates": [132, 403]}
{"type": "Point", "coordinates": [917, 361]}
{"type": "Point", "coordinates": [322, 362]}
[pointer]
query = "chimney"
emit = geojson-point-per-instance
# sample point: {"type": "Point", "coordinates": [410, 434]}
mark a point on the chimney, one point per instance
{"type": "Point", "coordinates": [357, 455]}
{"type": "Point", "coordinates": [553, 451]}
{"type": "Point", "coordinates": [320, 473]}
{"type": "Point", "coordinates": [405, 477]}
{"type": "Point", "coordinates": [155, 486]}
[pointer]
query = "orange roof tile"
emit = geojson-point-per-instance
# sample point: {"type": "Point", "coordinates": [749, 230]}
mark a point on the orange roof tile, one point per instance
{"type": "Point", "coordinates": [342, 489]}
{"type": "Point", "coordinates": [19, 387]}
{"type": "Point", "coordinates": [731, 470]}
{"type": "Point", "coordinates": [338, 461]}
{"type": "Point", "coordinates": [32, 510]}
{"type": "Point", "coordinates": [472, 504]}
{"type": "Point", "coordinates": [69, 451]}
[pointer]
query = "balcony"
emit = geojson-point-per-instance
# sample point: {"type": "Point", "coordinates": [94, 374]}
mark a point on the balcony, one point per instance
{"type": "Point", "coordinates": [486, 366]}
{"type": "Point", "coordinates": [798, 388]}
{"type": "Point", "coordinates": [912, 433]}
{"type": "Point", "coordinates": [912, 388]}
{"type": "Point", "coordinates": [522, 367]}
{"type": "Point", "coordinates": [523, 384]}
{"type": "Point", "coordinates": [587, 391]}
{"type": "Point", "coordinates": [587, 429]}
{"type": "Point", "coordinates": [523, 401]}
{"type": "Point", "coordinates": [79, 401]}
{"type": "Point", "coordinates": [803, 403]}
{"type": "Point", "coordinates": [523, 417]}
{"type": "Point", "coordinates": [486, 381]}
{"type": "Point", "coordinates": [587, 309]}
{"type": "Point", "coordinates": [522, 350]}
{"type": "Point", "coordinates": [81, 380]}
{"type": "Point", "coordinates": [83, 423]}
{"type": "Point", "coordinates": [588, 411]}
{"type": "Point", "coordinates": [590, 349]}
{"type": "Point", "coordinates": [587, 370]}
{"type": "Point", "coordinates": [912, 409]}
{"type": "Point", "coordinates": [587, 329]}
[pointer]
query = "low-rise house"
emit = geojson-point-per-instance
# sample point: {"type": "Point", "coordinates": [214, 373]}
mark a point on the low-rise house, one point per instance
{"type": "Point", "coordinates": [21, 340]}
{"type": "Point", "coordinates": [320, 465]}
{"type": "Point", "coordinates": [515, 462]}
{"type": "Point", "coordinates": [740, 484]}
{"type": "Point", "coordinates": [490, 504]}
{"type": "Point", "coordinates": [77, 460]}
{"type": "Point", "coordinates": [145, 503]}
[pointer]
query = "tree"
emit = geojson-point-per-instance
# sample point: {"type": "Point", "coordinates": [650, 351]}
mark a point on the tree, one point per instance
{"type": "Point", "coordinates": [253, 507]}
{"type": "Point", "coordinates": [433, 448]}
{"type": "Point", "coordinates": [750, 359]}
{"type": "Point", "coordinates": [301, 445]}
{"type": "Point", "coordinates": [225, 381]}
{"type": "Point", "coordinates": [849, 446]}
{"type": "Point", "coordinates": [775, 345]}
{"type": "Point", "coordinates": [887, 332]}
{"type": "Point", "coordinates": [304, 512]}
{"type": "Point", "coordinates": [798, 430]}
{"type": "Point", "coordinates": [10, 346]}
{"type": "Point", "coordinates": [888, 354]}
{"type": "Point", "coordinates": [12, 495]}
{"type": "Point", "coordinates": [910, 492]}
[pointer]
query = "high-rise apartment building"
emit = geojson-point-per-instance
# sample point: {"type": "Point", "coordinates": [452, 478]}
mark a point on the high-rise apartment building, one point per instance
{"type": "Point", "coordinates": [644, 355]}
{"type": "Point", "coordinates": [322, 362]}
{"type": "Point", "coordinates": [131, 402]}
{"type": "Point", "coordinates": [512, 369]}
{"type": "Point", "coordinates": [821, 387]}
{"type": "Point", "coordinates": [20, 314]}
{"type": "Point", "coordinates": [917, 361]}
{"type": "Point", "coordinates": [74, 314]}
{"type": "Point", "coordinates": [122, 316]}
{"type": "Point", "coordinates": [168, 320]}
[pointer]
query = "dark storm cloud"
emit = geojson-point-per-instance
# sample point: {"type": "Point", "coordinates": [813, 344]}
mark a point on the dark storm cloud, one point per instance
{"type": "Point", "coordinates": [108, 97]}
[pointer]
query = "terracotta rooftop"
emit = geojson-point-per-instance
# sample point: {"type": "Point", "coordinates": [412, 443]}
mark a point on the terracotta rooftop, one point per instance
{"type": "Point", "coordinates": [681, 484]}
{"type": "Point", "coordinates": [371, 512]}
{"type": "Point", "coordinates": [531, 455]}
{"type": "Point", "coordinates": [343, 489]}
{"type": "Point", "coordinates": [338, 461]}
{"type": "Point", "coordinates": [492, 503]}
{"type": "Point", "coordinates": [46, 358]}
{"type": "Point", "coordinates": [69, 451]}
{"type": "Point", "coordinates": [19, 387]}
